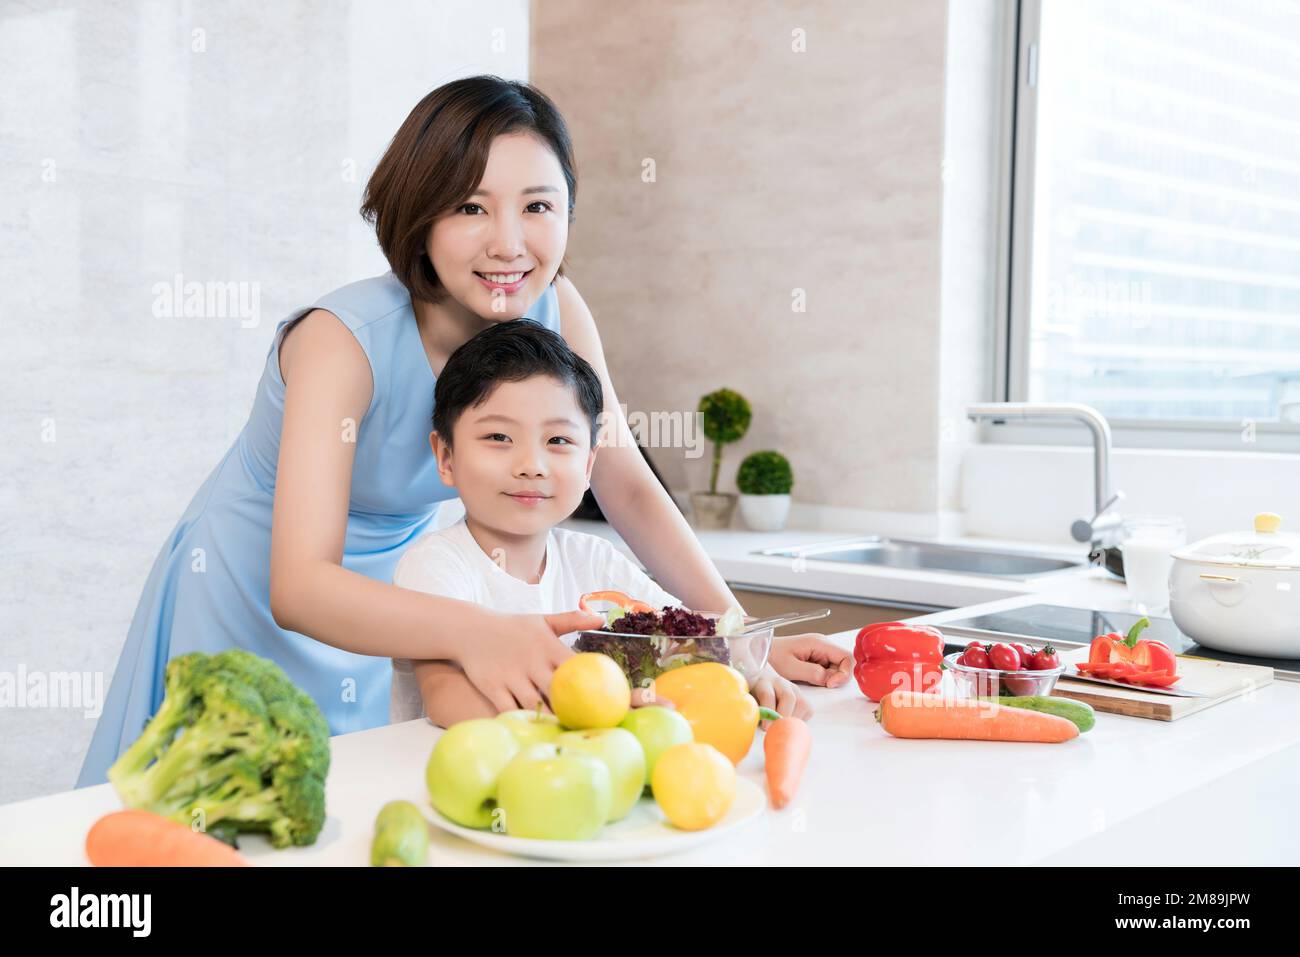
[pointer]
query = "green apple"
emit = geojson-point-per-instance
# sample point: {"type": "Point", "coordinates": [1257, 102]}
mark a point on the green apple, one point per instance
{"type": "Point", "coordinates": [554, 793]}
{"type": "Point", "coordinates": [622, 754]}
{"type": "Point", "coordinates": [463, 770]}
{"type": "Point", "coordinates": [531, 727]}
{"type": "Point", "coordinates": [658, 729]}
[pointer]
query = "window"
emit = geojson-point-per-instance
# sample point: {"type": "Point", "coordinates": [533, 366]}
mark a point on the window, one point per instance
{"type": "Point", "coordinates": [1155, 247]}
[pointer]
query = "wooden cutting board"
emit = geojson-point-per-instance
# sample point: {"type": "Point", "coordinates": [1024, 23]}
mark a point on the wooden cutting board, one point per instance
{"type": "Point", "coordinates": [1217, 680]}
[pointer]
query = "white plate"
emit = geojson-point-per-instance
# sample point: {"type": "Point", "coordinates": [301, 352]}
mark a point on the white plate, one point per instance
{"type": "Point", "coordinates": [643, 833]}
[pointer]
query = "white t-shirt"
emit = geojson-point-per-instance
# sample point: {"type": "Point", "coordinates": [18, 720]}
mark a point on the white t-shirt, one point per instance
{"type": "Point", "coordinates": [449, 562]}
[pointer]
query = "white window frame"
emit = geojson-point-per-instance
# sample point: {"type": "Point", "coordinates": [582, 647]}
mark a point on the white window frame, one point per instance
{"type": "Point", "coordinates": [1015, 252]}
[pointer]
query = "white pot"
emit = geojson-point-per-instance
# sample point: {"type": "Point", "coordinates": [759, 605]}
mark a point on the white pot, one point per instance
{"type": "Point", "coordinates": [765, 513]}
{"type": "Point", "coordinates": [1240, 592]}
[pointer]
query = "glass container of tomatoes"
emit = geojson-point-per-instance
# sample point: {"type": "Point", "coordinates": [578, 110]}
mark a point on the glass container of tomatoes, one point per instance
{"type": "Point", "coordinates": [1002, 668]}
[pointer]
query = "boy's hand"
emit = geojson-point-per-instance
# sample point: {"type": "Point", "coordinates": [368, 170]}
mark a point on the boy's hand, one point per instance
{"type": "Point", "coordinates": [773, 691]}
{"type": "Point", "coordinates": [511, 661]}
{"type": "Point", "coordinates": [645, 697]}
{"type": "Point", "coordinates": [811, 659]}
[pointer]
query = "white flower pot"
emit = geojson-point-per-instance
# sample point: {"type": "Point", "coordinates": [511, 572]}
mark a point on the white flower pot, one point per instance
{"type": "Point", "coordinates": [765, 513]}
{"type": "Point", "coordinates": [713, 510]}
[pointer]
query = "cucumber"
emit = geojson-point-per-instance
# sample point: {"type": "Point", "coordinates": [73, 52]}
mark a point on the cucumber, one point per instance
{"type": "Point", "coordinates": [401, 836]}
{"type": "Point", "coordinates": [1078, 712]}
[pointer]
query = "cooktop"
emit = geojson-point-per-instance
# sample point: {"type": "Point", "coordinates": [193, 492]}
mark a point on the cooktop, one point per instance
{"type": "Point", "coordinates": [1056, 623]}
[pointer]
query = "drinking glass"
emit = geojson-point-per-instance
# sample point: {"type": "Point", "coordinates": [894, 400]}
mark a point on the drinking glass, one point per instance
{"type": "Point", "coordinates": [1148, 545]}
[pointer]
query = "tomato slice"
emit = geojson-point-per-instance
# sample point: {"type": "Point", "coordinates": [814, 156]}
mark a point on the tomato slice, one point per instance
{"type": "Point", "coordinates": [613, 597]}
{"type": "Point", "coordinates": [1115, 670]}
{"type": "Point", "coordinates": [1098, 669]}
{"type": "Point", "coordinates": [1156, 679]}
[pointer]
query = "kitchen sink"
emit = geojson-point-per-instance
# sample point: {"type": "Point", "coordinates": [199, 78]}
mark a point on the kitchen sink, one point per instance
{"type": "Point", "coordinates": [928, 556]}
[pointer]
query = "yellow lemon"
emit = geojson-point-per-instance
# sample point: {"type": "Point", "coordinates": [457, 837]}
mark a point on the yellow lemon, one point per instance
{"type": "Point", "coordinates": [590, 691]}
{"type": "Point", "coordinates": [694, 785]}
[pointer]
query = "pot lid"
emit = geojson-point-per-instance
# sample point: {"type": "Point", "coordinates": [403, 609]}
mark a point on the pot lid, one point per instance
{"type": "Point", "coordinates": [1265, 547]}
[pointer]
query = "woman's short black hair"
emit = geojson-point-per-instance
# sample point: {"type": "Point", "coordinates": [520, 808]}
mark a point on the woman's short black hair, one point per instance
{"type": "Point", "coordinates": [510, 351]}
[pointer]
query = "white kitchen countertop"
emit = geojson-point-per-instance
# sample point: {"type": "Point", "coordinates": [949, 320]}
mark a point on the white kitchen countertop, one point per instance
{"type": "Point", "coordinates": [1214, 788]}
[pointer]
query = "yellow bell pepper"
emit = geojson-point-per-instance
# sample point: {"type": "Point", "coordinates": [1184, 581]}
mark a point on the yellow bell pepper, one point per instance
{"type": "Point", "coordinates": [715, 699]}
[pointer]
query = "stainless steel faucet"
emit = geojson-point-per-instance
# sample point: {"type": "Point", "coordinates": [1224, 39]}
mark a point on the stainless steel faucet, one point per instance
{"type": "Point", "coordinates": [1103, 528]}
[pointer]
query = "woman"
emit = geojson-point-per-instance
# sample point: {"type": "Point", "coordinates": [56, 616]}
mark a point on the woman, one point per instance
{"type": "Point", "coordinates": [289, 546]}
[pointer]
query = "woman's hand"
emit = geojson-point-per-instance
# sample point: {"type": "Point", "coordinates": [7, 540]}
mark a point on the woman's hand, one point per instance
{"type": "Point", "coordinates": [812, 660]}
{"type": "Point", "coordinates": [512, 659]}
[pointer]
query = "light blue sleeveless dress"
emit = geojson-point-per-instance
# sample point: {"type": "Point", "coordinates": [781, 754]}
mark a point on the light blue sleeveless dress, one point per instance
{"type": "Point", "coordinates": [209, 588]}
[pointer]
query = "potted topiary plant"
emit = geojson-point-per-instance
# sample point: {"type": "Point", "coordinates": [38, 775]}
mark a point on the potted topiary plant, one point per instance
{"type": "Point", "coordinates": [764, 479]}
{"type": "Point", "coordinates": [726, 416]}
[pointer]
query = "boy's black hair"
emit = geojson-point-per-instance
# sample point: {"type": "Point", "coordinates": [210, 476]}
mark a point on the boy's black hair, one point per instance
{"type": "Point", "coordinates": [511, 351]}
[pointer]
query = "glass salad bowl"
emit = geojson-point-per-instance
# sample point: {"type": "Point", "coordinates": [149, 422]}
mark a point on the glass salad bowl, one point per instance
{"type": "Point", "coordinates": [644, 657]}
{"type": "Point", "coordinates": [984, 682]}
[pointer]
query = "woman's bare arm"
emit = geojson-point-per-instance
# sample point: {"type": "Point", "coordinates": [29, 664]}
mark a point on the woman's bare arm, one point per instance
{"type": "Point", "coordinates": [638, 507]}
{"type": "Point", "coordinates": [327, 392]}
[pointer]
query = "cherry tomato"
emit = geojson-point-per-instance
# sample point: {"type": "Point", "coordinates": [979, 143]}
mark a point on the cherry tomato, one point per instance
{"type": "Point", "coordinates": [1005, 657]}
{"type": "Point", "coordinates": [976, 658]}
{"type": "Point", "coordinates": [1017, 685]}
{"type": "Point", "coordinates": [1046, 659]}
{"type": "Point", "coordinates": [1026, 654]}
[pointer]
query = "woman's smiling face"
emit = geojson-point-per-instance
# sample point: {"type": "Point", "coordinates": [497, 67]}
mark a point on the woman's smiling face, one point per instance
{"type": "Point", "coordinates": [497, 253]}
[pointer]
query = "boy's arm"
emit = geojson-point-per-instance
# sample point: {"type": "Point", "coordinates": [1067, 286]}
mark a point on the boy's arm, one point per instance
{"type": "Point", "coordinates": [448, 695]}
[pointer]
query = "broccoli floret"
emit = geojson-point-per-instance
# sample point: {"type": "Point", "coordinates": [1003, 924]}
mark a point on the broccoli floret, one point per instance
{"type": "Point", "coordinates": [237, 740]}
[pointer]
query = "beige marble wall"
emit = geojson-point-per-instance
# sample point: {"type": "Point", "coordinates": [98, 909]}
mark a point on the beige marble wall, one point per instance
{"type": "Point", "coordinates": [775, 171]}
{"type": "Point", "coordinates": [974, 201]}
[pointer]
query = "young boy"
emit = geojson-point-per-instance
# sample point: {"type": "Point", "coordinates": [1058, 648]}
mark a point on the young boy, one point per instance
{"type": "Point", "coordinates": [515, 422]}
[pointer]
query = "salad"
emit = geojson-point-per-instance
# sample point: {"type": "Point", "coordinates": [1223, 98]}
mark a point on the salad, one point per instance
{"type": "Point", "coordinates": [645, 643]}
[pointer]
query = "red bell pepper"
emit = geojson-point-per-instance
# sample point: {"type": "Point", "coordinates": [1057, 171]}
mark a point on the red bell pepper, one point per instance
{"type": "Point", "coordinates": [1128, 658]}
{"type": "Point", "coordinates": [894, 654]}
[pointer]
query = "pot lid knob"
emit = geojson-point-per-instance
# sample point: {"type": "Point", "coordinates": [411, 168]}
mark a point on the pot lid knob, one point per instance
{"type": "Point", "coordinates": [1267, 522]}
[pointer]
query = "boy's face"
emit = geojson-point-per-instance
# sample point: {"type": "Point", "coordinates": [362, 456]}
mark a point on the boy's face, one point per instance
{"type": "Point", "coordinates": [522, 458]}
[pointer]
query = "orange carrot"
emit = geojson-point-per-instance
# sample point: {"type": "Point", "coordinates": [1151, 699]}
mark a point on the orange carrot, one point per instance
{"type": "Point", "coordinates": [916, 714]}
{"type": "Point", "coordinates": [787, 745]}
{"type": "Point", "coordinates": [143, 839]}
